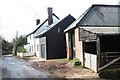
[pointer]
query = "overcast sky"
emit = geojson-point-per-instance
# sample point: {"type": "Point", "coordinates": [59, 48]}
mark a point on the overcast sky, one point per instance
{"type": "Point", "coordinates": [20, 15]}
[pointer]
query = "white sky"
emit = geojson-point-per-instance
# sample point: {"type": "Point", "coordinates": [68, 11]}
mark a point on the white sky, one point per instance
{"type": "Point", "coordinates": [20, 15]}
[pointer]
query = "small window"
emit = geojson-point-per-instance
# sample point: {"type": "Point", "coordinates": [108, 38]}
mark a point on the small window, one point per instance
{"type": "Point", "coordinates": [30, 37]}
{"type": "Point", "coordinates": [31, 48]}
{"type": "Point", "coordinates": [37, 47]}
{"type": "Point", "coordinates": [59, 30]}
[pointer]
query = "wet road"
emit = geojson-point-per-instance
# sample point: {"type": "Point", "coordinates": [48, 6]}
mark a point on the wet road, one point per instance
{"type": "Point", "coordinates": [11, 67]}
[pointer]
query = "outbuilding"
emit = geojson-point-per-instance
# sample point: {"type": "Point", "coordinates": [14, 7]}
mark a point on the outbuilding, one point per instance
{"type": "Point", "coordinates": [94, 38]}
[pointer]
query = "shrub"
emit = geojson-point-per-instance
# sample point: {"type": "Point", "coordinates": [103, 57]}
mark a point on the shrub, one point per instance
{"type": "Point", "coordinates": [75, 63]}
{"type": "Point", "coordinates": [5, 52]}
{"type": "Point", "coordinates": [21, 49]}
{"type": "Point", "coordinates": [8, 53]}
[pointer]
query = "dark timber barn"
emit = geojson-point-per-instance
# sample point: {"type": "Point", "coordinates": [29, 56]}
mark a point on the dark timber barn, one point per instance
{"type": "Point", "coordinates": [52, 39]}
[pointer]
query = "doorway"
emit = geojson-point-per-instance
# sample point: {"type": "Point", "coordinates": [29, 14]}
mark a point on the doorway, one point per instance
{"type": "Point", "coordinates": [71, 38]}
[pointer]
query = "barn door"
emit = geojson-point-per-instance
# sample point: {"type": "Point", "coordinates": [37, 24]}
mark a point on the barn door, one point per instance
{"type": "Point", "coordinates": [87, 60]}
{"type": "Point", "coordinates": [73, 45]}
{"type": "Point", "coordinates": [43, 50]}
{"type": "Point", "coordinates": [90, 55]}
{"type": "Point", "coordinates": [91, 61]}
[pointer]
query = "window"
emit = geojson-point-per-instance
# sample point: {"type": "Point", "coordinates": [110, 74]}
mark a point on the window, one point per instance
{"type": "Point", "coordinates": [37, 47]}
{"type": "Point", "coordinates": [31, 48]}
{"type": "Point", "coordinates": [59, 30]}
{"type": "Point", "coordinates": [30, 37]}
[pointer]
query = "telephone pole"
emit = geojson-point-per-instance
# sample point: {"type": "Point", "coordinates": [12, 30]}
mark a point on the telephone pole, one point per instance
{"type": "Point", "coordinates": [16, 44]}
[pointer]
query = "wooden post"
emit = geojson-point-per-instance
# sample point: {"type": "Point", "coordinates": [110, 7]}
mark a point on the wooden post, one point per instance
{"type": "Point", "coordinates": [98, 52]}
{"type": "Point", "coordinates": [83, 48]}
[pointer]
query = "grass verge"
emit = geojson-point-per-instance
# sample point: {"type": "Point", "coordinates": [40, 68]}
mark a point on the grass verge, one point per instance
{"type": "Point", "coordinates": [58, 59]}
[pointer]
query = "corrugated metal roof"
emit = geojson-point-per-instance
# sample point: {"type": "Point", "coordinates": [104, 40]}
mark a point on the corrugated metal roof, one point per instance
{"type": "Point", "coordinates": [103, 30]}
{"type": "Point", "coordinates": [98, 16]}
{"type": "Point", "coordinates": [101, 15]}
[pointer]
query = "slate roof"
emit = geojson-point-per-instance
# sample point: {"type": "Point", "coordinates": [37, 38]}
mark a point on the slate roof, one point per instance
{"type": "Point", "coordinates": [44, 29]}
{"type": "Point", "coordinates": [67, 18]}
{"type": "Point", "coordinates": [98, 16]}
{"type": "Point", "coordinates": [101, 15]}
{"type": "Point", "coordinates": [102, 30]}
{"type": "Point", "coordinates": [74, 24]}
{"type": "Point", "coordinates": [42, 26]}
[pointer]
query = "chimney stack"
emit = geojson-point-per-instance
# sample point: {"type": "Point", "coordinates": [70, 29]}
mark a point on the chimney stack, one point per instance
{"type": "Point", "coordinates": [50, 19]}
{"type": "Point", "coordinates": [37, 21]}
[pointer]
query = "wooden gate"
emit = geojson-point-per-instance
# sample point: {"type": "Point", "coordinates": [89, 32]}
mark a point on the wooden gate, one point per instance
{"type": "Point", "coordinates": [91, 61]}
{"type": "Point", "coordinates": [107, 57]}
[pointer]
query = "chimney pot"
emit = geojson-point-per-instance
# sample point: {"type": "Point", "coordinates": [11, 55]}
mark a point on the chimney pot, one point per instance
{"type": "Point", "coordinates": [37, 21]}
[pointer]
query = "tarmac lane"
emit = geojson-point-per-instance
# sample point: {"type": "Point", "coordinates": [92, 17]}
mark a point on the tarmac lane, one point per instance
{"type": "Point", "coordinates": [11, 67]}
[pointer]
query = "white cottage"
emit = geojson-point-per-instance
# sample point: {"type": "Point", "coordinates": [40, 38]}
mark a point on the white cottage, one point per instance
{"type": "Point", "coordinates": [33, 43]}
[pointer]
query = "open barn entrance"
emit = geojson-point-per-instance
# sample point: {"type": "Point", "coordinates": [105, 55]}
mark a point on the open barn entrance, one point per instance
{"type": "Point", "coordinates": [90, 47]}
{"type": "Point", "coordinates": [110, 48]}
{"type": "Point", "coordinates": [101, 48]}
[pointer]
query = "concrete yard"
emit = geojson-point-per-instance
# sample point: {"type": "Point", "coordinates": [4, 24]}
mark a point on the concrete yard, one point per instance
{"type": "Point", "coordinates": [12, 67]}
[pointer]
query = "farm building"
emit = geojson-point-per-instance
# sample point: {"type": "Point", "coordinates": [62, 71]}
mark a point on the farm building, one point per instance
{"type": "Point", "coordinates": [52, 43]}
{"type": "Point", "coordinates": [94, 38]}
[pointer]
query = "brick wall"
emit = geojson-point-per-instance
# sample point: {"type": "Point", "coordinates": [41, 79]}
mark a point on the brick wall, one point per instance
{"type": "Point", "coordinates": [78, 46]}
{"type": "Point", "coordinates": [67, 45]}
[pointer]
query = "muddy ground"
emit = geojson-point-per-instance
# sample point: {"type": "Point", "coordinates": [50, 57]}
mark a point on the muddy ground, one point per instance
{"type": "Point", "coordinates": [61, 69]}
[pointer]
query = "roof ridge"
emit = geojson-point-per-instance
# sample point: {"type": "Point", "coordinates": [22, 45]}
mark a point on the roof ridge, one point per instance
{"type": "Point", "coordinates": [55, 16]}
{"type": "Point", "coordinates": [107, 5]}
